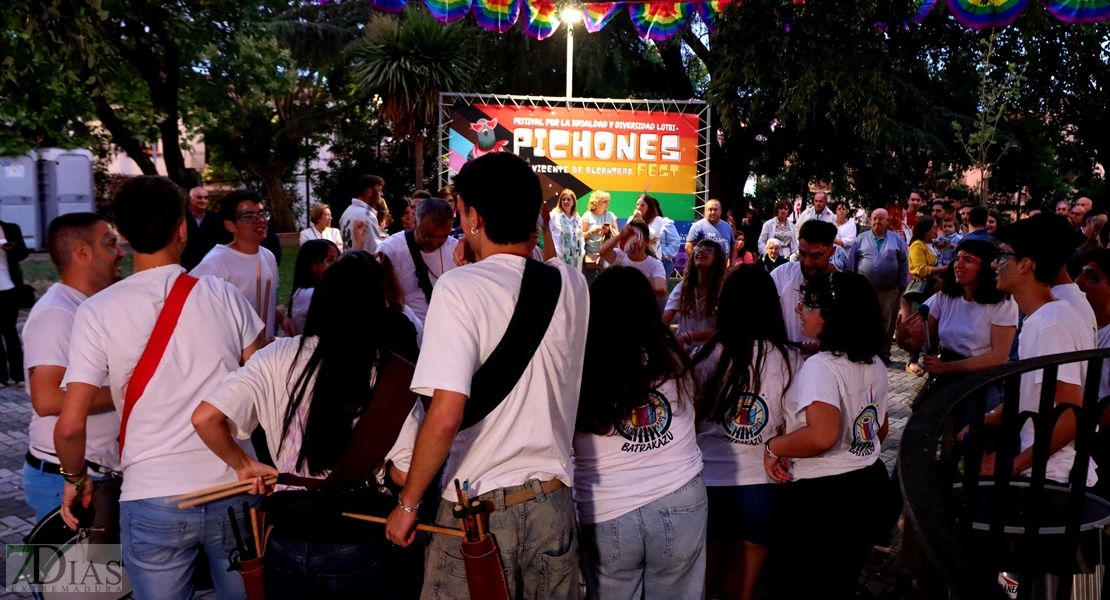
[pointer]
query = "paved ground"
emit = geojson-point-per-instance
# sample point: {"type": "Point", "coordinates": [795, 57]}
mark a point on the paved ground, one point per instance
{"type": "Point", "coordinates": [16, 518]}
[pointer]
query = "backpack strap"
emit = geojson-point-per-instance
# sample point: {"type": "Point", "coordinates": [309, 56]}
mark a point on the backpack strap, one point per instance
{"type": "Point", "coordinates": [422, 278]}
{"type": "Point", "coordinates": [539, 295]}
{"type": "Point", "coordinates": [155, 348]}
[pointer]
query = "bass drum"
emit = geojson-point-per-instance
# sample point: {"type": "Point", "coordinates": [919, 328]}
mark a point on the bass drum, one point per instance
{"type": "Point", "coordinates": [76, 568]}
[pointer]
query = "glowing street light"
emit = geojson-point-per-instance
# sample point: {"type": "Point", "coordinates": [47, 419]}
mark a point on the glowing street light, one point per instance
{"type": "Point", "coordinates": [569, 16]}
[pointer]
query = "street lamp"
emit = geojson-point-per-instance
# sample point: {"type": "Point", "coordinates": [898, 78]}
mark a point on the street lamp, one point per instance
{"type": "Point", "coordinates": [569, 16]}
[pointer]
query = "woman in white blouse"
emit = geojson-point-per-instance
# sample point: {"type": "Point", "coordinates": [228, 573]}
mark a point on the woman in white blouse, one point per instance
{"type": "Point", "coordinates": [845, 228]}
{"type": "Point", "coordinates": [566, 230]}
{"type": "Point", "coordinates": [780, 229]}
{"type": "Point", "coordinates": [321, 228]}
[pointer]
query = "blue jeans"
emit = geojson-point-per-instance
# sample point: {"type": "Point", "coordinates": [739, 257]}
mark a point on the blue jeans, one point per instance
{"type": "Point", "coordinates": [655, 551]}
{"type": "Point", "coordinates": [43, 491]}
{"type": "Point", "coordinates": [161, 542]}
{"type": "Point", "coordinates": [297, 570]}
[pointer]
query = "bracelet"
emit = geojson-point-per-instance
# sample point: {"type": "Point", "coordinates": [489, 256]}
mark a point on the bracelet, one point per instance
{"type": "Point", "coordinates": [408, 509]}
{"type": "Point", "coordinates": [767, 447]}
{"type": "Point", "coordinates": [79, 483]}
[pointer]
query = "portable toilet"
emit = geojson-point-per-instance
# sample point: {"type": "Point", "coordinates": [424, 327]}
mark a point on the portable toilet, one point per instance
{"type": "Point", "coordinates": [65, 183]}
{"type": "Point", "coordinates": [19, 197]}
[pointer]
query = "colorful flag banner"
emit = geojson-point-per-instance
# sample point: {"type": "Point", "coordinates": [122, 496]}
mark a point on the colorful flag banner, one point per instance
{"type": "Point", "coordinates": [710, 12]}
{"type": "Point", "coordinates": [497, 16]}
{"type": "Point", "coordinates": [924, 7]}
{"type": "Point", "coordinates": [542, 19]}
{"type": "Point", "coordinates": [389, 6]}
{"type": "Point", "coordinates": [598, 14]}
{"type": "Point", "coordinates": [658, 21]}
{"type": "Point", "coordinates": [987, 14]}
{"type": "Point", "coordinates": [1079, 12]}
{"type": "Point", "coordinates": [448, 11]}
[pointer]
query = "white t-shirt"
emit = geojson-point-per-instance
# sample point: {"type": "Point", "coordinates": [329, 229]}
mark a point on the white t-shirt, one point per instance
{"type": "Point", "coordinates": [1070, 293]}
{"type": "Point", "coordinates": [789, 281]}
{"type": "Point", "coordinates": [964, 326]}
{"type": "Point", "coordinates": [330, 233]}
{"type": "Point", "coordinates": [1103, 342]}
{"type": "Point", "coordinates": [859, 391]}
{"type": "Point", "coordinates": [6, 282]}
{"type": "Point", "coordinates": [651, 267]}
{"type": "Point", "coordinates": [692, 323]}
{"type": "Point", "coordinates": [529, 435]}
{"type": "Point", "coordinates": [259, 393]}
{"type": "Point", "coordinates": [847, 232]}
{"type": "Point", "coordinates": [612, 473]}
{"type": "Point", "coordinates": [163, 455]}
{"type": "Point", "coordinates": [1053, 328]}
{"type": "Point", "coordinates": [249, 273]}
{"type": "Point", "coordinates": [46, 342]}
{"type": "Point", "coordinates": [298, 309]}
{"type": "Point", "coordinates": [733, 451]}
{"type": "Point", "coordinates": [438, 262]}
{"type": "Point", "coordinates": [360, 211]}
{"type": "Point", "coordinates": [655, 228]}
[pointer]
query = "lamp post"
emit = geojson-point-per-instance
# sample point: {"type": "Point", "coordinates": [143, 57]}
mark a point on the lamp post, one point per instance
{"type": "Point", "coordinates": [569, 16]}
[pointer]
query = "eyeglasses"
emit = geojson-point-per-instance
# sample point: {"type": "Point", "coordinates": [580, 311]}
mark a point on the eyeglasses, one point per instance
{"type": "Point", "coordinates": [819, 255]}
{"type": "Point", "coordinates": [253, 217]}
{"type": "Point", "coordinates": [807, 309]}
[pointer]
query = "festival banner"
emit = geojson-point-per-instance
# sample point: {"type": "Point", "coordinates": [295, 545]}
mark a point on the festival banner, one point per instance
{"type": "Point", "coordinates": [620, 151]}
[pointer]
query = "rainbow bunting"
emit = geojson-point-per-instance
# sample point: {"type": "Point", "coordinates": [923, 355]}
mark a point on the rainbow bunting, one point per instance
{"type": "Point", "coordinates": [542, 21]}
{"type": "Point", "coordinates": [1079, 12]}
{"type": "Point", "coordinates": [711, 12]}
{"type": "Point", "coordinates": [924, 7]}
{"type": "Point", "coordinates": [447, 11]}
{"type": "Point", "coordinates": [389, 6]}
{"type": "Point", "coordinates": [986, 14]}
{"type": "Point", "coordinates": [598, 14]}
{"type": "Point", "coordinates": [497, 16]}
{"type": "Point", "coordinates": [658, 21]}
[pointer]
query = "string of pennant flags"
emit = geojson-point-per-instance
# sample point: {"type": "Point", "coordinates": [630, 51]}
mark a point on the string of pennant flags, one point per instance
{"type": "Point", "coordinates": [660, 20]}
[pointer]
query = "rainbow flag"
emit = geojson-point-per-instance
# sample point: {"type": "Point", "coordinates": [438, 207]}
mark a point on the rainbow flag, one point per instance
{"type": "Point", "coordinates": [497, 16]}
{"type": "Point", "coordinates": [447, 11]}
{"type": "Point", "coordinates": [389, 6]}
{"type": "Point", "coordinates": [710, 12]}
{"type": "Point", "coordinates": [658, 21]}
{"type": "Point", "coordinates": [987, 14]}
{"type": "Point", "coordinates": [1079, 12]}
{"type": "Point", "coordinates": [542, 21]}
{"type": "Point", "coordinates": [598, 14]}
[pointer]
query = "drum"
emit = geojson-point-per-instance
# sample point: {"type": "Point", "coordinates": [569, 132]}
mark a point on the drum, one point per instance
{"type": "Point", "coordinates": [70, 567]}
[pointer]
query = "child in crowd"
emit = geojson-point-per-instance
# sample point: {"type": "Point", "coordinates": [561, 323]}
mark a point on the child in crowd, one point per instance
{"type": "Point", "coordinates": [946, 244]}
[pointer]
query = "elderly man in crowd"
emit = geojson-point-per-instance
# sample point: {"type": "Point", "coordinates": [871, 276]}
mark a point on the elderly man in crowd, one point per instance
{"type": "Point", "coordinates": [420, 256]}
{"type": "Point", "coordinates": [882, 257]}
{"type": "Point", "coordinates": [819, 210]}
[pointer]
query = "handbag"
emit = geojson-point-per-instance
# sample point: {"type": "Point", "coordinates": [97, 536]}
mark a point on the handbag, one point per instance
{"type": "Point", "coordinates": [918, 291]}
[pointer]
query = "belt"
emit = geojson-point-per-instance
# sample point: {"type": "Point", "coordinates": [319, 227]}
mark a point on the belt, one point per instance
{"type": "Point", "coordinates": [42, 465]}
{"type": "Point", "coordinates": [529, 494]}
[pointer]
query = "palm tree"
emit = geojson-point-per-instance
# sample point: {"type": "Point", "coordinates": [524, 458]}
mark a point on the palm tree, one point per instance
{"type": "Point", "coordinates": [407, 63]}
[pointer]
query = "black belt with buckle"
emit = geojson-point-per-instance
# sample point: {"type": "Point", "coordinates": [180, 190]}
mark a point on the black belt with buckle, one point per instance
{"type": "Point", "coordinates": [42, 465]}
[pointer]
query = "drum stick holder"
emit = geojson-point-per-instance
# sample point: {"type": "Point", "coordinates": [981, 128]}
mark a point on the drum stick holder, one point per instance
{"type": "Point", "coordinates": [484, 575]}
{"type": "Point", "coordinates": [253, 572]}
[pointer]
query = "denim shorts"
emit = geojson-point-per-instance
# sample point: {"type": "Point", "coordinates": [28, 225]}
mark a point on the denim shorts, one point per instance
{"type": "Point", "coordinates": [743, 511]}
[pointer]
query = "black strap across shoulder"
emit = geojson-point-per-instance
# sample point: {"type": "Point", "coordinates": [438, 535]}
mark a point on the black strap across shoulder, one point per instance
{"type": "Point", "coordinates": [422, 278]}
{"type": "Point", "coordinates": [539, 294]}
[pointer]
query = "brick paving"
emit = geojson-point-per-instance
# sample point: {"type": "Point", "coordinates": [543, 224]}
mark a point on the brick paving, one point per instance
{"type": "Point", "coordinates": [16, 518]}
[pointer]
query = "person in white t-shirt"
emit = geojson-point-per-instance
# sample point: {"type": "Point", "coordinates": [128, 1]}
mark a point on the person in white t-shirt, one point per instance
{"type": "Point", "coordinates": [524, 444]}
{"type": "Point", "coordinates": [85, 248]}
{"type": "Point", "coordinates": [694, 299]}
{"type": "Point", "coordinates": [630, 249]}
{"type": "Point", "coordinates": [648, 211]}
{"type": "Point", "coordinates": [741, 404]}
{"type": "Point", "coordinates": [1094, 280]}
{"type": "Point", "coordinates": [836, 422]}
{"type": "Point", "coordinates": [308, 393]}
{"type": "Point", "coordinates": [1030, 255]}
{"type": "Point", "coordinates": [1063, 288]}
{"type": "Point", "coordinates": [637, 467]}
{"type": "Point", "coordinates": [313, 258]}
{"type": "Point", "coordinates": [161, 454]}
{"type": "Point", "coordinates": [321, 228]}
{"type": "Point", "coordinates": [435, 247]}
{"type": "Point", "coordinates": [245, 263]}
{"type": "Point", "coordinates": [360, 220]}
{"type": "Point", "coordinates": [815, 248]}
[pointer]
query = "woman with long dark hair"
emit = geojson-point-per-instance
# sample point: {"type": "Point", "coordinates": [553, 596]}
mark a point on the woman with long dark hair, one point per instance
{"type": "Point", "coordinates": [308, 392]}
{"type": "Point", "coordinates": [638, 490]}
{"type": "Point", "coordinates": [836, 421]}
{"type": "Point", "coordinates": [748, 368]}
{"type": "Point", "coordinates": [694, 299]}
{"type": "Point", "coordinates": [649, 211]}
{"type": "Point", "coordinates": [312, 259]}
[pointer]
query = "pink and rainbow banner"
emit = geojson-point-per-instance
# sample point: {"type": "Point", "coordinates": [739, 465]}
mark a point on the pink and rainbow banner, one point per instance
{"type": "Point", "coordinates": [658, 21]}
{"type": "Point", "coordinates": [542, 19]}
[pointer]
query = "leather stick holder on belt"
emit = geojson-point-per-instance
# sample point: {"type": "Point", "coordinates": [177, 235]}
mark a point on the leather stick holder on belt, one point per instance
{"type": "Point", "coordinates": [254, 580]}
{"type": "Point", "coordinates": [485, 577]}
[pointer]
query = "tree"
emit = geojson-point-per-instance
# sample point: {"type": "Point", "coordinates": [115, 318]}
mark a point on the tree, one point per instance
{"type": "Point", "coordinates": [407, 63]}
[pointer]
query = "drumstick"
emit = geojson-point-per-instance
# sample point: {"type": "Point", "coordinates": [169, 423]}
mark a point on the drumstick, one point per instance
{"type": "Point", "coordinates": [419, 527]}
{"type": "Point", "coordinates": [213, 490]}
{"type": "Point", "coordinates": [206, 496]}
{"type": "Point", "coordinates": [257, 537]}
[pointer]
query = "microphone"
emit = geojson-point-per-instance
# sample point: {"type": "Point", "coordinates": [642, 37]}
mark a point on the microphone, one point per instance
{"type": "Point", "coordinates": [924, 312]}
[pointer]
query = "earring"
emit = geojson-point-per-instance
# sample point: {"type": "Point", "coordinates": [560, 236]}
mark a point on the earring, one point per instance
{"type": "Point", "coordinates": [473, 231]}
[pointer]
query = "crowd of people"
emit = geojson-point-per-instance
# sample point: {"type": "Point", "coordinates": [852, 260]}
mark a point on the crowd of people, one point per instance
{"type": "Point", "coordinates": [622, 440]}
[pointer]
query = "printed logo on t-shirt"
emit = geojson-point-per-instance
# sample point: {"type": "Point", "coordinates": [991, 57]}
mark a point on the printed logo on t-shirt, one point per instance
{"type": "Point", "coordinates": [745, 421]}
{"type": "Point", "coordinates": [647, 427]}
{"type": "Point", "coordinates": [865, 432]}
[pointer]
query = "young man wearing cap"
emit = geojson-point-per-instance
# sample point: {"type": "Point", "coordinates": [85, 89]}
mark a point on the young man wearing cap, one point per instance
{"type": "Point", "coordinates": [160, 452]}
{"type": "Point", "coordinates": [1031, 253]}
{"type": "Point", "coordinates": [518, 457]}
